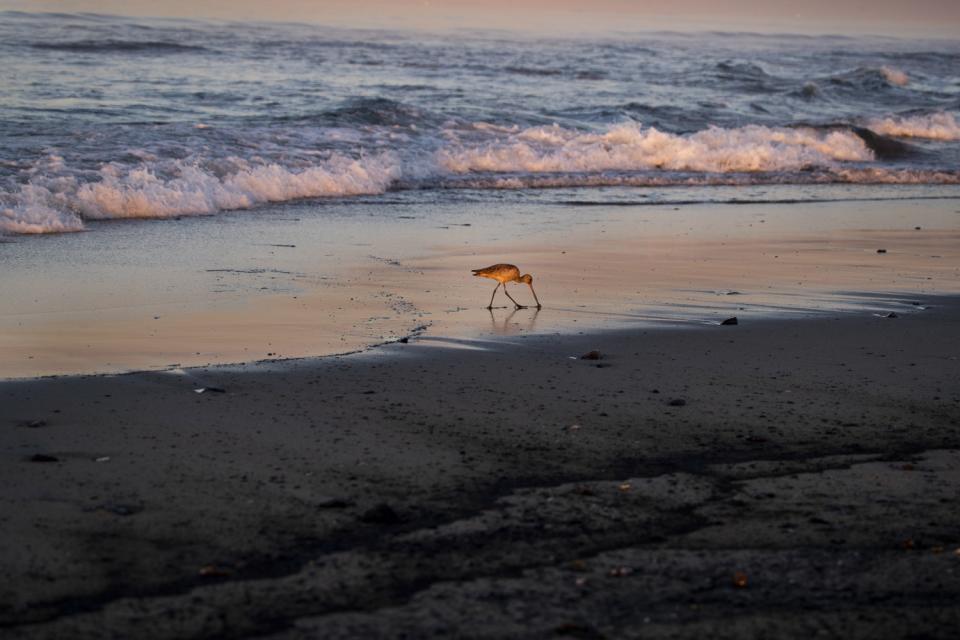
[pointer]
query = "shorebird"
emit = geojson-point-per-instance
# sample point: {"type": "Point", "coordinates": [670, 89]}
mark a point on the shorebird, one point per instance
{"type": "Point", "coordinates": [504, 273]}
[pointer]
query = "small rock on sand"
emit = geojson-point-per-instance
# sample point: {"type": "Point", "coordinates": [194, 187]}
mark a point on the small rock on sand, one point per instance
{"type": "Point", "coordinates": [677, 402]}
{"type": "Point", "coordinates": [592, 355]}
{"type": "Point", "coordinates": [42, 457]}
{"type": "Point", "coordinates": [730, 321]}
{"type": "Point", "coordinates": [213, 571]}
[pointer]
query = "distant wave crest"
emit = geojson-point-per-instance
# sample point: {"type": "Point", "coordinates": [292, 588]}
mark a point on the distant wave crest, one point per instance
{"type": "Point", "coordinates": [872, 78]}
{"type": "Point", "coordinates": [894, 76]}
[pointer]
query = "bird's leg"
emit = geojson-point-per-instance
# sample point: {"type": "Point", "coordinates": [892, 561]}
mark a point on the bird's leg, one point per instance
{"type": "Point", "coordinates": [539, 306]}
{"type": "Point", "coordinates": [517, 304]}
{"type": "Point", "coordinates": [490, 306]}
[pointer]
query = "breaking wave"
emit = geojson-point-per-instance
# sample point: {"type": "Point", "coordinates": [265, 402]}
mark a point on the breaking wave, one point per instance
{"type": "Point", "coordinates": [37, 218]}
{"type": "Point", "coordinates": [935, 126]}
{"type": "Point", "coordinates": [53, 196]}
{"type": "Point", "coordinates": [59, 204]}
{"type": "Point", "coordinates": [631, 147]}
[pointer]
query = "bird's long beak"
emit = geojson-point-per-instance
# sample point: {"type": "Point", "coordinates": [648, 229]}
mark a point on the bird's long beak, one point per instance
{"type": "Point", "coordinates": [539, 306]}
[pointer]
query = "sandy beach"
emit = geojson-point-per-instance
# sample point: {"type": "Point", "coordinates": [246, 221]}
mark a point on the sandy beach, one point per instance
{"type": "Point", "coordinates": [465, 472]}
{"type": "Point", "coordinates": [775, 478]}
{"type": "Point", "coordinates": [251, 388]}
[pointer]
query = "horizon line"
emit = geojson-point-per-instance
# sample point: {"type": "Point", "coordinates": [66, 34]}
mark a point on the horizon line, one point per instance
{"type": "Point", "coordinates": [677, 29]}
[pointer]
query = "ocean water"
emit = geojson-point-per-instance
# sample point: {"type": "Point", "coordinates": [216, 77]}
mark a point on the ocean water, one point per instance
{"type": "Point", "coordinates": [114, 118]}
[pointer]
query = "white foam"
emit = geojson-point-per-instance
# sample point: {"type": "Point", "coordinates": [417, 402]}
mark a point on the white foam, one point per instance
{"type": "Point", "coordinates": [58, 197]}
{"type": "Point", "coordinates": [53, 204]}
{"type": "Point", "coordinates": [38, 218]}
{"type": "Point", "coordinates": [630, 147]}
{"type": "Point", "coordinates": [894, 76]}
{"type": "Point", "coordinates": [35, 208]}
{"type": "Point", "coordinates": [935, 126]}
{"type": "Point", "coordinates": [141, 194]}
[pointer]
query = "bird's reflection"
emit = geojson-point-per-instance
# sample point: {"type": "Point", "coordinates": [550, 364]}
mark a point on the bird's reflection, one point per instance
{"type": "Point", "coordinates": [513, 323]}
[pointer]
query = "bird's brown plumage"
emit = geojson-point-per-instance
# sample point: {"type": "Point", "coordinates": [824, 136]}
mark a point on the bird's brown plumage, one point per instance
{"type": "Point", "coordinates": [504, 273]}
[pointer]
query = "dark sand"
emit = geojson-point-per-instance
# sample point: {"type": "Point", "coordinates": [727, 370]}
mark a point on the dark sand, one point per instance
{"type": "Point", "coordinates": [808, 485]}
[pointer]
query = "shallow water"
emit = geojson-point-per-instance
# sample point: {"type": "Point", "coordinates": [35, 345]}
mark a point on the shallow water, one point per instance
{"type": "Point", "coordinates": [116, 118]}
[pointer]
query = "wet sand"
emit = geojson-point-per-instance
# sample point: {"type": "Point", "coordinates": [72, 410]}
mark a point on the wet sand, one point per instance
{"type": "Point", "coordinates": [310, 280]}
{"type": "Point", "coordinates": [778, 478]}
{"type": "Point", "coordinates": [792, 475]}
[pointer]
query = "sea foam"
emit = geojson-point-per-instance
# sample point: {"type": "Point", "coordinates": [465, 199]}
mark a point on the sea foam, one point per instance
{"type": "Point", "coordinates": [934, 126]}
{"type": "Point", "coordinates": [37, 218]}
{"type": "Point", "coordinates": [630, 146]}
{"type": "Point", "coordinates": [57, 198]}
{"type": "Point", "coordinates": [58, 204]}
{"type": "Point", "coordinates": [141, 194]}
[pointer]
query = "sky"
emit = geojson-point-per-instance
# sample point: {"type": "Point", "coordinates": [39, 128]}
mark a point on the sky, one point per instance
{"type": "Point", "coordinates": [892, 17]}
